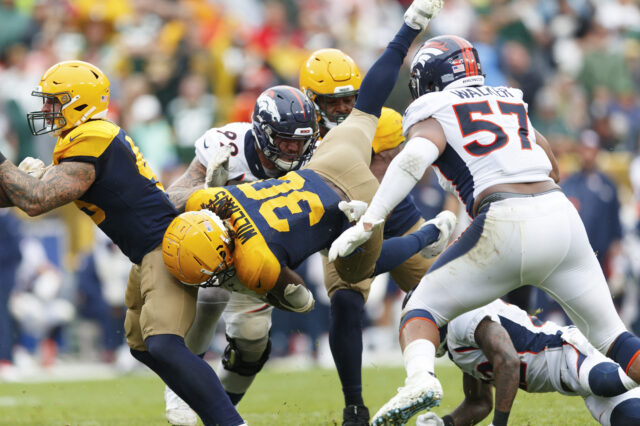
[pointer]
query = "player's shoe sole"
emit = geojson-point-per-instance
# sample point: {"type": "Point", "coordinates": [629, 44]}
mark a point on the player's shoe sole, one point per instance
{"type": "Point", "coordinates": [420, 393]}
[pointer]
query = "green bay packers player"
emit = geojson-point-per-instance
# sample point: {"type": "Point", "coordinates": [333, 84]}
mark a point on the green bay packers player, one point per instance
{"type": "Point", "coordinates": [331, 79]}
{"type": "Point", "coordinates": [97, 166]}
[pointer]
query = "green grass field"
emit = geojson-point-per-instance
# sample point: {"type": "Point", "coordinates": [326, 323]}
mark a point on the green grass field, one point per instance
{"type": "Point", "coordinates": [309, 397]}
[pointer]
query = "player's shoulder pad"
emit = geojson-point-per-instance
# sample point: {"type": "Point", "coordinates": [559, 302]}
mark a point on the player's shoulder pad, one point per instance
{"type": "Point", "coordinates": [424, 107]}
{"type": "Point", "coordinates": [215, 137]}
{"type": "Point", "coordinates": [256, 266]}
{"type": "Point", "coordinates": [89, 139]}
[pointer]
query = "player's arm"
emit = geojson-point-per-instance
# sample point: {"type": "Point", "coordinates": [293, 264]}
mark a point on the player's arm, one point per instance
{"type": "Point", "coordinates": [544, 144]}
{"type": "Point", "coordinates": [495, 343]}
{"type": "Point", "coordinates": [190, 181]}
{"type": "Point", "coordinates": [63, 183]}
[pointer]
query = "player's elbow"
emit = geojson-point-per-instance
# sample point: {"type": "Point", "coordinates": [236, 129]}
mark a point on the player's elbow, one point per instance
{"type": "Point", "coordinates": [33, 209]}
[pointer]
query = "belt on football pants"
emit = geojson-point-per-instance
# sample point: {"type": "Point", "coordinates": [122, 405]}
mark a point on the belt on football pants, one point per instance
{"type": "Point", "coordinates": [499, 196]}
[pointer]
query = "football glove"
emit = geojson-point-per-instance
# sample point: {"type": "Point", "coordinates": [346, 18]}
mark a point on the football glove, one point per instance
{"type": "Point", "coordinates": [218, 167]}
{"type": "Point", "coordinates": [33, 167]}
{"type": "Point", "coordinates": [429, 419]}
{"type": "Point", "coordinates": [293, 298]}
{"type": "Point", "coordinates": [353, 210]}
{"type": "Point", "coordinates": [445, 221]}
{"type": "Point", "coordinates": [353, 237]}
{"type": "Point", "coordinates": [420, 12]}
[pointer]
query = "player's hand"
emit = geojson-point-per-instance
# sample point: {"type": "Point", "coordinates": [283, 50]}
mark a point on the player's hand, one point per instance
{"type": "Point", "coordinates": [445, 221]}
{"type": "Point", "coordinates": [33, 167]}
{"type": "Point", "coordinates": [293, 298]}
{"type": "Point", "coordinates": [353, 210]}
{"type": "Point", "coordinates": [218, 167]}
{"type": "Point", "coordinates": [353, 237]}
{"type": "Point", "coordinates": [421, 12]}
{"type": "Point", "coordinates": [429, 419]}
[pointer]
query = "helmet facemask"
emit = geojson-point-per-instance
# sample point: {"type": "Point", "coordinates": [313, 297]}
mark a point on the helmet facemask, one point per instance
{"type": "Point", "coordinates": [43, 122]}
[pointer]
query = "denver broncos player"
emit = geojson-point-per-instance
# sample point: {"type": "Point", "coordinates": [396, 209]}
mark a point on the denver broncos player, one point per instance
{"type": "Point", "coordinates": [331, 79]}
{"type": "Point", "coordinates": [524, 230]}
{"type": "Point", "coordinates": [499, 345]}
{"type": "Point", "coordinates": [98, 167]}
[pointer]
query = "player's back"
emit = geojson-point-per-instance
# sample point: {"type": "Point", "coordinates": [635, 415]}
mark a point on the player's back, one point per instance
{"type": "Point", "coordinates": [490, 139]}
{"type": "Point", "coordinates": [126, 200]}
{"type": "Point", "coordinates": [278, 222]}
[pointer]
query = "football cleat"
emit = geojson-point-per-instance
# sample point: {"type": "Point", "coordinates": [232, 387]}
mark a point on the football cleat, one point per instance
{"type": "Point", "coordinates": [422, 391]}
{"type": "Point", "coordinates": [355, 415]}
{"type": "Point", "coordinates": [178, 412]}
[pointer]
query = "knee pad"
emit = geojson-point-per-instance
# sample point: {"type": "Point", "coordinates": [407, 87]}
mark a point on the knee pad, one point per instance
{"type": "Point", "coordinates": [625, 350]}
{"type": "Point", "coordinates": [627, 413]}
{"type": "Point", "coordinates": [253, 326]}
{"type": "Point", "coordinates": [604, 380]}
{"type": "Point", "coordinates": [233, 360]}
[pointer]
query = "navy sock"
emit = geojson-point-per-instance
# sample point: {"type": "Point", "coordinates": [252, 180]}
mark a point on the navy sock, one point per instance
{"type": "Point", "coordinates": [398, 249]}
{"type": "Point", "coordinates": [345, 340]}
{"type": "Point", "coordinates": [383, 74]}
{"type": "Point", "coordinates": [625, 350]}
{"type": "Point", "coordinates": [626, 413]}
{"type": "Point", "coordinates": [191, 378]}
{"type": "Point", "coordinates": [235, 397]}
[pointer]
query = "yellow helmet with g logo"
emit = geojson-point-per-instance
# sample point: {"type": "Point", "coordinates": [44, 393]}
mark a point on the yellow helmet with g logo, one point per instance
{"type": "Point", "coordinates": [389, 131]}
{"type": "Point", "coordinates": [196, 248]}
{"type": "Point", "coordinates": [329, 73]}
{"type": "Point", "coordinates": [81, 90]}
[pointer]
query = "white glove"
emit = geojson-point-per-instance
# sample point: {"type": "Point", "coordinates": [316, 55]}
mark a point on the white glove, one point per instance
{"type": "Point", "coordinates": [350, 239]}
{"type": "Point", "coordinates": [421, 12]}
{"type": "Point", "coordinates": [294, 298]}
{"type": "Point", "coordinates": [429, 419]}
{"type": "Point", "coordinates": [33, 166]}
{"type": "Point", "coordinates": [218, 167]}
{"type": "Point", "coordinates": [353, 210]}
{"type": "Point", "coordinates": [445, 221]}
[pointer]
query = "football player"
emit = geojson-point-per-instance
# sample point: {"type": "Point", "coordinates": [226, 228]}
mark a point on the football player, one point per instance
{"type": "Point", "coordinates": [331, 79]}
{"type": "Point", "coordinates": [524, 230]}
{"type": "Point", "coordinates": [98, 167]}
{"type": "Point", "coordinates": [499, 345]}
{"type": "Point", "coordinates": [290, 205]}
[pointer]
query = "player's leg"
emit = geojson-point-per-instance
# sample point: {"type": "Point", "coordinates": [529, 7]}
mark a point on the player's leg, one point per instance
{"type": "Point", "coordinates": [211, 303]}
{"type": "Point", "coordinates": [578, 284]}
{"type": "Point", "coordinates": [345, 340]}
{"type": "Point", "coordinates": [411, 271]}
{"type": "Point", "coordinates": [166, 315]}
{"type": "Point", "coordinates": [621, 410]}
{"type": "Point", "coordinates": [587, 371]}
{"type": "Point", "coordinates": [247, 321]}
{"type": "Point", "coordinates": [482, 265]}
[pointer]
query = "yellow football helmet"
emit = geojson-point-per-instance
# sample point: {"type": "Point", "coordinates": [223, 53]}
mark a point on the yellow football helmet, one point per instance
{"type": "Point", "coordinates": [81, 90]}
{"type": "Point", "coordinates": [196, 248]}
{"type": "Point", "coordinates": [389, 131]}
{"type": "Point", "coordinates": [329, 73]}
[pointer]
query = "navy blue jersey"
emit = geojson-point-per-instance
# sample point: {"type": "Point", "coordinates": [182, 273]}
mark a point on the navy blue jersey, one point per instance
{"type": "Point", "coordinates": [278, 222]}
{"type": "Point", "coordinates": [126, 200]}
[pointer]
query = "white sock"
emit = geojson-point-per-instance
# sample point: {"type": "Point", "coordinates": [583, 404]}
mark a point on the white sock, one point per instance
{"type": "Point", "coordinates": [419, 355]}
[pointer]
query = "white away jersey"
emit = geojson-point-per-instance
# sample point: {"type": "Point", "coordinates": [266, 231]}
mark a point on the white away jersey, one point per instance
{"type": "Point", "coordinates": [539, 346]}
{"type": "Point", "coordinates": [244, 164]}
{"type": "Point", "coordinates": [490, 139]}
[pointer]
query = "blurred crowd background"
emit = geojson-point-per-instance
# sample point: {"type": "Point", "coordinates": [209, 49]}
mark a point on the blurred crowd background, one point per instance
{"type": "Point", "coordinates": [179, 67]}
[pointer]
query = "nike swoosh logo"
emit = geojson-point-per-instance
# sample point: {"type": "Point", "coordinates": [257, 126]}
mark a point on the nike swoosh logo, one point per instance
{"type": "Point", "coordinates": [204, 143]}
{"type": "Point", "coordinates": [75, 137]}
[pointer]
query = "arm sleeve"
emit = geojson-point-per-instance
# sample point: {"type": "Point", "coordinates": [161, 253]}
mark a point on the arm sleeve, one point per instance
{"type": "Point", "coordinates": [382, 76]}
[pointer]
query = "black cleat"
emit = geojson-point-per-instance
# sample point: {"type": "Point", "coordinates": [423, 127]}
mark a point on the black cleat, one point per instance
{"type": "Point", "coordinates": [355, 415]}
